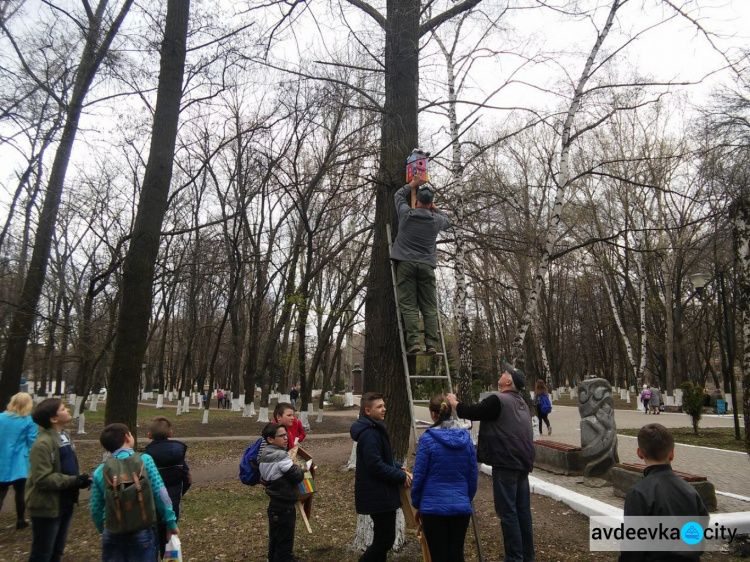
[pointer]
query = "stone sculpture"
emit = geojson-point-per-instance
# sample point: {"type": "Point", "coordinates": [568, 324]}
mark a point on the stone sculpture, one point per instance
{"type": "Point", "coordinates": [598, 431]}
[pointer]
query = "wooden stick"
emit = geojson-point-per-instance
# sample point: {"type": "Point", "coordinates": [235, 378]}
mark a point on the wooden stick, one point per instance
{"type": "Point", "coordinates": [301, 506]}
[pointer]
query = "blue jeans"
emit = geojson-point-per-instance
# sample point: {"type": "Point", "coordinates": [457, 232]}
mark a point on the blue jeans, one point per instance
{"type": "Point", "coordinates": [138, 547]}
{"type": "Point", "coordinates": [513, 506]}
{"type": "Point", "coordinates": [49, 535]}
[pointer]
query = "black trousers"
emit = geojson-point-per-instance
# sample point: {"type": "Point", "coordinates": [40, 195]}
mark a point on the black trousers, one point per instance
{"type": "Point", "coordinates": [541, 417]}
{"type": "Point", "coordinates": [281, 524]}
{"type": "Point", "coordinates": [445, 536]}
{"type": "Point", "coordinates": [383, 536]}
{"type": "Point", "coordinates": [19, 487]}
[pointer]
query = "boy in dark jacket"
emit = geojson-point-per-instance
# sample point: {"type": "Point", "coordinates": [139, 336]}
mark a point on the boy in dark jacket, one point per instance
{"type": "Point", "coordinates": [661, 493]}
{"type": "Point", "coordinates": [281, 477]}
{"type": "Point", "coordinates": [53, 482]}
{"type": "Point", "coordinates": [169, 457]}
{"type": "Point", "coordinates": [377, 477]}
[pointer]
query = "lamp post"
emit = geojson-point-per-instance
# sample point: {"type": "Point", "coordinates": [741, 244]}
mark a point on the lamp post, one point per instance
{"type": "Point", "coordinates": [699, 282]}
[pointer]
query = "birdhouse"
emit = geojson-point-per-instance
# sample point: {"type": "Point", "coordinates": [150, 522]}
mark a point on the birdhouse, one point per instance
{"type": "Point", "coordinates": [416, 165]}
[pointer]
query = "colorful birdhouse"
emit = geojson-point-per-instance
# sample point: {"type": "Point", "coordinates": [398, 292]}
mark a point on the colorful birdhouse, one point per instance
{"type": "Point", "coordinates": [416, 165]}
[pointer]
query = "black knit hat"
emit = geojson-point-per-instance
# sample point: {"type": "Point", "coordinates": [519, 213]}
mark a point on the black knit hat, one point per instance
{"type": "Point", "coordinates": [519, 379]}
{"type": "Point", "coordinates": [425, 195]}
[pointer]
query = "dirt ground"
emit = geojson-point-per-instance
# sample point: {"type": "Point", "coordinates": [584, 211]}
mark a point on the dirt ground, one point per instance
{"type": "Point", "coordinates": [224, 520]}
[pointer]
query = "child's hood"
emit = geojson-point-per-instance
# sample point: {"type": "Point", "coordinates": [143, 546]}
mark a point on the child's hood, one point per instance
{"type": "Point", "coordinates": [272, 453]}
{"type": "Point", "coordinates": [451, 438]}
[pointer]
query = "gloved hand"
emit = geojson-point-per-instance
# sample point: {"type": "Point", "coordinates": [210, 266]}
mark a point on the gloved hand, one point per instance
{"type": "Point", "coordinates": [83, 481]}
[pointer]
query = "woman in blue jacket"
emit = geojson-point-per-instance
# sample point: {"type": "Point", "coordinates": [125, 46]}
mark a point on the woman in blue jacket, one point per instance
{"type": "Point", "coordinates": [17, 435]}
{"type": "Point", "coordinates": [444, 483]}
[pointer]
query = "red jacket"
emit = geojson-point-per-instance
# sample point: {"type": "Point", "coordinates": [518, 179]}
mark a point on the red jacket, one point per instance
{"type": "Point", "coordinates": [294, 431]}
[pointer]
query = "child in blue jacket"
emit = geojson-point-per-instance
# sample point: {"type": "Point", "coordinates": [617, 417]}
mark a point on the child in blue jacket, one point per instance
{"type": "Point", "coordinates": [444, 484]}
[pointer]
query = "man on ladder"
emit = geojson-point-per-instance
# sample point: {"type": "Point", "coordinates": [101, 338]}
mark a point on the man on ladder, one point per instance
{"type": "Point", "coordinates": [415, 252]}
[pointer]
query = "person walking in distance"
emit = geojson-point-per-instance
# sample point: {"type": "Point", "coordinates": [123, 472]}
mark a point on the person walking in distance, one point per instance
{"type": "Point", "coordinates": [543, 405]}
{"type": "Point", "coordinates": [506, 443]}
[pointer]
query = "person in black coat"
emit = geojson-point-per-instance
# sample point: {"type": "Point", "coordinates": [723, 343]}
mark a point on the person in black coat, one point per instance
{"type": "Point", "coordinates": [169, 457]}
{"type": "Point", "coordinates": [378, 476]}
{"type": "Point", "coordinates": [661, 493]}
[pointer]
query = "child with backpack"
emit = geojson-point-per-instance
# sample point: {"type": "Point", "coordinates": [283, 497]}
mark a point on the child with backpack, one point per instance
{"type": "Point", "coordinates": [53, 481]}
{"type": "Point", "coordinates": [169, 456]}
{"type": "Point", "coordinates": [543, 405]}
{"type": "Point", "coordinates": [283, 414]}
{"type": "Point", "coordinates": [645, 397]}
{"type": "Point", "coordinates": [127, 494]}
{"type": "Point", "coordinates": [281, 476]}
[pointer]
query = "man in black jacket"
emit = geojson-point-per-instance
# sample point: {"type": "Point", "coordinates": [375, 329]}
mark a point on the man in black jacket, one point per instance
{"type": "Point", "coordinates": [378, 476]}
{"type": "Point", "coordinates": [281, 477]}
{"type": "Point", "coordinates": [506, 443]}
{"type": "Point", "coordinates": [661, 493]}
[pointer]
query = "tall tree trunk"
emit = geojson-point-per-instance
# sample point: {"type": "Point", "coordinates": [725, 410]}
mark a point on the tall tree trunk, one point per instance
{"type": "Point", "coordinates": [741, 232]}
{"type": "Point", "coordinates": [138, 269]}
{"type": "Point", "coordinates": [94, 51]}
{"type": "Point", "coordinates": [563, 177]}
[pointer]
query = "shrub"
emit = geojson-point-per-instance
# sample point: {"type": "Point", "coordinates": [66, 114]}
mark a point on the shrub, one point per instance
{"type": "Point", "coordinates": [338, 402]}
{"type": "Point", "coordinates": [692, 403]}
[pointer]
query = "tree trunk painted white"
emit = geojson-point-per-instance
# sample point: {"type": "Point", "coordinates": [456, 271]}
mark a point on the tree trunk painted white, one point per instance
{"type": "Point", "coordinates": [241, 403]}
{"type": "Point", "coordinates": [71, 399]}
{"type": "Point", "coordinates": [263, 415]}
{"type": "Point", "coordinates": [363, 535]}
{"type": "Point", "coordinates": [179, 408]}
{"type": "Point", "coordinates": [348, 399]}
{"type": "Point", "coordinates": [620, 327]}
{"type": "Point", "coordinates": [236, 405]}
{"type": "Point", "coordinates": [205, 416]}
{"type": "Point", "coordinates": [82, 424]}
{"type": "Point", "coordinates": [351, 464]}
{"type": "Point", "coordinates": [169, 396]}
{"type": "Point", "coordinates": [193, 400]}
{"type": "Point", "coordinates": [159, 401]}
{"type": "Point", "coordinates": [77, 406]}
{"type": "Point", "coordinates": [186, 405]}
{"type": "Point", "coordinates": [563, 177]}
{"type": "Point", "coordinates": [320, 416]}
{"type": "Point", "coordinates": [284, 398]}
{"type": "Point", "coordinates": [94, 402]}
{"type": "Point", "coordinates": [247, 411]}
{"type": "Point", "coordinates": [304, 421]}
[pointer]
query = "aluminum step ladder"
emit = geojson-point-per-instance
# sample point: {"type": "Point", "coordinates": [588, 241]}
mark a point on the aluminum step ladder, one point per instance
{"type": "Point", "coordinates": [419, 424]}
{"type": "Point", "coordinates": [416, 424]}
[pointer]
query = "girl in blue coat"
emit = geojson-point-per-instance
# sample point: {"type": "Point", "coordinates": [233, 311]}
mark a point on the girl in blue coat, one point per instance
{"type": "Point", "coordinates": [444, 483]}
{"type": "Point", "coordinates": [17, 435]}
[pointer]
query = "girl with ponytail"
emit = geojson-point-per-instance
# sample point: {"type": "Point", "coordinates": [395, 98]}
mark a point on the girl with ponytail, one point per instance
{"type": "Point", "coordinates": [444, 483]}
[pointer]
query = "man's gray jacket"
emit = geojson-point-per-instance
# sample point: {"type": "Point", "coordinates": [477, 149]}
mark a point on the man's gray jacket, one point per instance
{"type": "Point", "coordinates": [417, 231]}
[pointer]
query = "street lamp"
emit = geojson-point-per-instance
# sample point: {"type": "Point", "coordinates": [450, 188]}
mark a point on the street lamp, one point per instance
{"type": "Point", "coordinates": [699, 282]}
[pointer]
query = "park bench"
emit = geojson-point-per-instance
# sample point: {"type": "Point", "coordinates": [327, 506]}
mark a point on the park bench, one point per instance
{"type": "Point", "coordinates": [558, 458]}
{"type": "Point", "coordinates": [625, 475]}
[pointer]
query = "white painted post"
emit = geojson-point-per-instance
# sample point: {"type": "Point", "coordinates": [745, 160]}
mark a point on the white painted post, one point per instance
{"type": "Point", "coordinates": [348, 399]}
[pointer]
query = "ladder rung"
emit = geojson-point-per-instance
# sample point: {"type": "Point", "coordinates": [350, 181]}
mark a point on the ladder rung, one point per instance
{"type": "Point", "coordinates": [427, 377]}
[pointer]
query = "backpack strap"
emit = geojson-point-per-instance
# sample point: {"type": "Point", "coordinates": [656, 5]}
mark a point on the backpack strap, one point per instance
{"type": "Point", "coordinates": [137, 480]}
